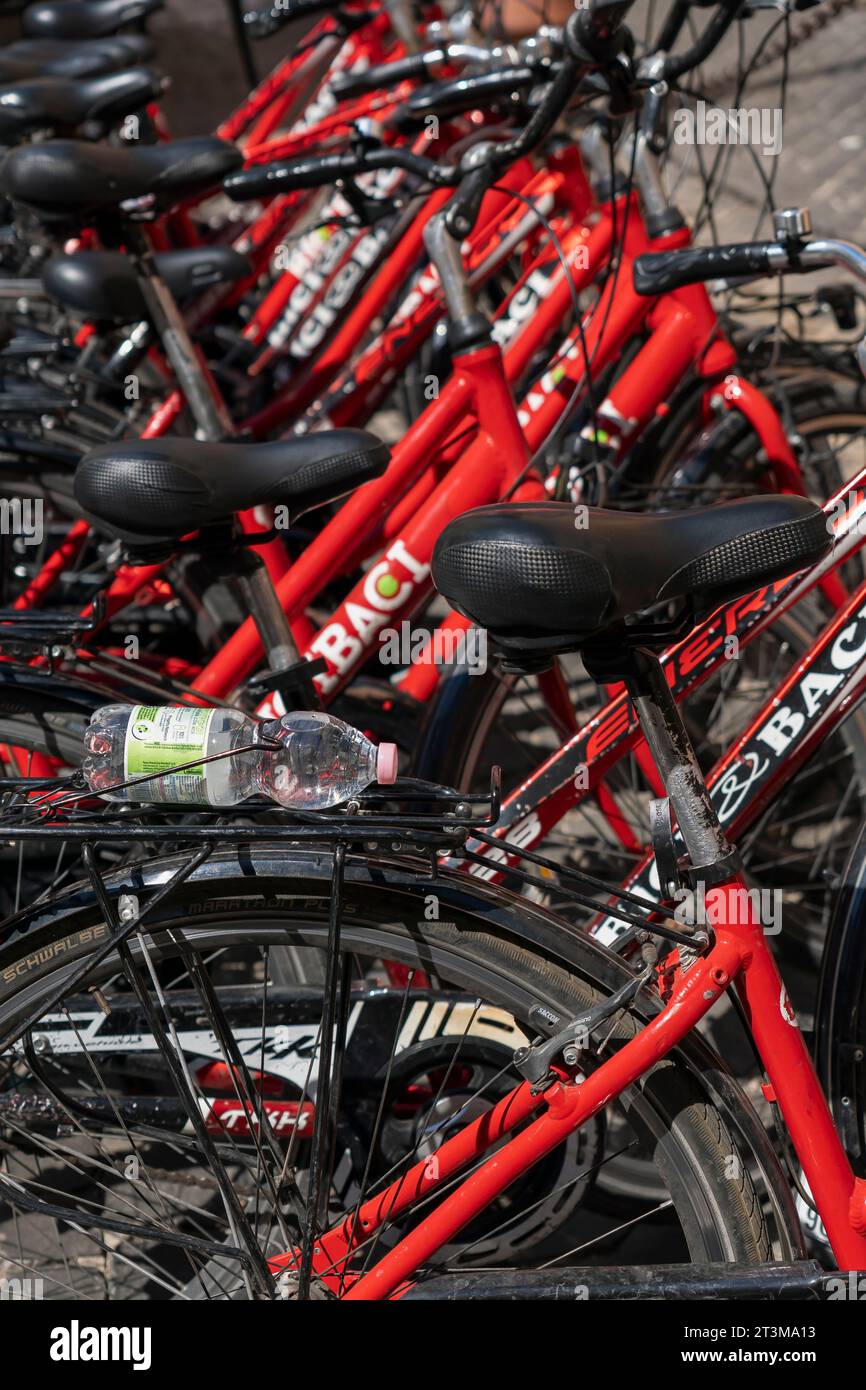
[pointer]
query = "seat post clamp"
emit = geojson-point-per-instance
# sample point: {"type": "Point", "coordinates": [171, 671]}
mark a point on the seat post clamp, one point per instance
{"type": "Point", "coordinates": [706, 876]}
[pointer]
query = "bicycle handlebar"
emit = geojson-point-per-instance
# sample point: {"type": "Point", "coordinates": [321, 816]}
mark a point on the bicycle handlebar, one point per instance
{"type": "Point", "coordinates": [423, 66]}
{"type": "Point", "coordinates": [347, 85]}
{"type": "Point", "coordinates": [464, 93]}
{"type": "Point", "coordinates": [591, 36]}
{"type": "Point", "coordinates": [420, 65]}
{"type": "Point", "coordinates": [659, 272]}
{"type": "Point", "coordinates": [314, 171]}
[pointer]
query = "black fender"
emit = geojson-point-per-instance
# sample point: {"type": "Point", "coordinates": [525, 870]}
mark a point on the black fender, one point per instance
{"type": "Point", "coordinates": [29, 690]}
{"type": "Point", "coordinates": [840, 1018]}
{"type": "Point", "coordinates": [458, 715]}
{"type": "Point", "coordinates": [258, 876]}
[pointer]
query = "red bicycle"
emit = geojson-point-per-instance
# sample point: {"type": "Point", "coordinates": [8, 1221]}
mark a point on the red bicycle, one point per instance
{"type": "Point", "coordinates": [419, 497]}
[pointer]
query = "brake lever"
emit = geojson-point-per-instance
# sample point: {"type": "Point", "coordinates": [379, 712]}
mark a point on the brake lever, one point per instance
{"type": "Point", "coordinates": [367, 209]}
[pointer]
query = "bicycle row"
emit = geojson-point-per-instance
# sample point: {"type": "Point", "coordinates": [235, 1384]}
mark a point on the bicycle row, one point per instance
{"type": "Point", "coordinates": [430, 677]}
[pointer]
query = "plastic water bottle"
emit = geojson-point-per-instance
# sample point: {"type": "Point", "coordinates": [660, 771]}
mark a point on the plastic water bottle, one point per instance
{"type": "Point", "coordinates": [320, 760]}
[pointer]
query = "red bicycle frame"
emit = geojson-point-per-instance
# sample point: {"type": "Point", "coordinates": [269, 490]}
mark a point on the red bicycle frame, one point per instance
{"type": "Point", "coordinates": [409, 506]}
{"type": "Point", "coordinates": [683, 331]}
{"type": "Point", "coordinates": [433, 475]}
{"type": "Point", "coordinates": [740, 957]}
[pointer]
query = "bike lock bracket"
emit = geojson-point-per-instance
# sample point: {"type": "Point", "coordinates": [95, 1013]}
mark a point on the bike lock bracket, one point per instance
{"type": "Point", "coordinates": [295, 684]}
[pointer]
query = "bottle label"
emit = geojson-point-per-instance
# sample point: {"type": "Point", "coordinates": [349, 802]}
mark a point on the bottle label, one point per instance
{"type": "Point", "coordinates": [158, 739]}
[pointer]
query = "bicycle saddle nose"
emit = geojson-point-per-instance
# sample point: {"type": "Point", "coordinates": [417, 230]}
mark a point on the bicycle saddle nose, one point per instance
{"type": "Point", "coordinates": [541, 581]}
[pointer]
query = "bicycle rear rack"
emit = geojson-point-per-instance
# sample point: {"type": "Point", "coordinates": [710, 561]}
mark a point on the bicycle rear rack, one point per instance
{"type": "Point", "coordinates": [48, 626]}
{"type": "Point", "coordinates": [441, 827]}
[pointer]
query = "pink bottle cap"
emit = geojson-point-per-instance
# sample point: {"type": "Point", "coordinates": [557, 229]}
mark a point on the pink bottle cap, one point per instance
{"type": "Point", "coordinates": [386, 764]}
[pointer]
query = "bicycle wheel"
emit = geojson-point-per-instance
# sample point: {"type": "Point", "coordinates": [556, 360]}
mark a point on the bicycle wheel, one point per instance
{"type": "Point", "coordinates": [34, 741]}
{"type": "Point", "coordinates": [94, 1126]}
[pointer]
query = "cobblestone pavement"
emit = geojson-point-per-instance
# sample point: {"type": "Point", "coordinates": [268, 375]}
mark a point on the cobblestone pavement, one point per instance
{"type": "Point", "coordinates": [823, 158]}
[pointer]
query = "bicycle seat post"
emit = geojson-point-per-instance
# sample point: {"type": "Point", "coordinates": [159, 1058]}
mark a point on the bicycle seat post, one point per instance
{"type": "Point", "coordinates": [266, 610]}
{"type": "Point", "coordinates": [206, 405]}
{"type": "Point", "coordinates": [669, 743]}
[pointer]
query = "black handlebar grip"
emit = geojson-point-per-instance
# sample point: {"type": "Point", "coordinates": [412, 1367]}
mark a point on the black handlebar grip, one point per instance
{"type": "Point", "coordinates": [269, 180]}
{"type": "Point", "coordinates": [356, 84]}
{"type": "Point", "coordinates": [465, 93]}
{"type": "Point", "coordinates": [661, 271]}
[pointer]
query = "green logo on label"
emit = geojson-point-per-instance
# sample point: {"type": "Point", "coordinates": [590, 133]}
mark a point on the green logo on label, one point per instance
{"type": "Point", "coordinates": [387, 586]}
